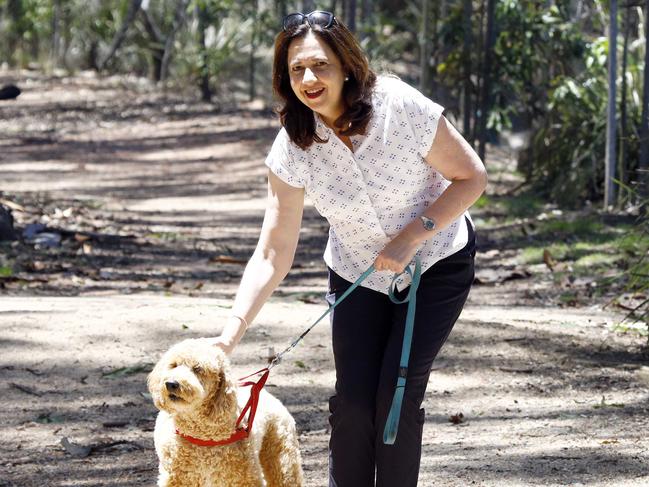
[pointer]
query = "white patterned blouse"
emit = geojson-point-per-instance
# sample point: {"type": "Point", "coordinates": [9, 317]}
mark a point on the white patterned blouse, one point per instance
{"type": "Point", "coordinates": [370, 194]}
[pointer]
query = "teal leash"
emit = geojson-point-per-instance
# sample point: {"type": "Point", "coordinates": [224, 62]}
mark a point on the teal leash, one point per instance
{"type": "Point", "coordinates": [277, 359]}
{"type": "Point", "coordinates": [392, 422]}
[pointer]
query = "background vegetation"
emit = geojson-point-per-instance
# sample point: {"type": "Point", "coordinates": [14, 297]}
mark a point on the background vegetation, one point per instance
{"type": "Point", "coordinates": [531, 75]}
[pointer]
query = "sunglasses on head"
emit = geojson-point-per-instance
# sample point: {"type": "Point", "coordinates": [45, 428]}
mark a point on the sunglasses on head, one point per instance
{"type": "Point", "coordinates": [317, 17]}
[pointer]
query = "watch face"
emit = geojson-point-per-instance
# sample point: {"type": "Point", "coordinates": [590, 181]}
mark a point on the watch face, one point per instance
{"type": "Point", "coordinates": [428, 223]}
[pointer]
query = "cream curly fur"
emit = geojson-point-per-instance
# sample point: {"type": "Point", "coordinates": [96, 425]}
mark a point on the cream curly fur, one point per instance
{"type": "Point", "coordinates": [205, 404]}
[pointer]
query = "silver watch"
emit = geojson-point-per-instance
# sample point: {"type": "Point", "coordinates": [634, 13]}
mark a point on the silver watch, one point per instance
{"type": "Point", "coordinates": [428, 223]}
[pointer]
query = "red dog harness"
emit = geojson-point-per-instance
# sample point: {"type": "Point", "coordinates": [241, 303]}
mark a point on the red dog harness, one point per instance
{"type": "Point", "coordinates": [240, 432]}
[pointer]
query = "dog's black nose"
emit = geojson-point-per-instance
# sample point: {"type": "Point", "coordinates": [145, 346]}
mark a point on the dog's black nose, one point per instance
{"type": "Point", "coordinates": [172, 385]}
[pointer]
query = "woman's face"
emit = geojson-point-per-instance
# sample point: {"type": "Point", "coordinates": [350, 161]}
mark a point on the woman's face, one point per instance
{"type": "Point", "coordinates": [317, 76]}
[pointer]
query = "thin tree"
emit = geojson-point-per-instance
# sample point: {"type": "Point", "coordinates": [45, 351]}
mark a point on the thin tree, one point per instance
{"type": "Point", "coordinates": [56, 33]}
{"type": "Point", "coordinates": [350, 15]}
{"type": "Point", "coordinates": [281, 8]}
{"type": "Point", "coordinates": [366, 19]}
{"type": "Point", "coordinates": [643, 166]}
{"type": "Point", "coordinates": [16, 13]}
{"type": "Point", "coordinates": [203, 16]}
{"type": "Point", "coordinates": [120, 35]}
{"type": "Point", "coordinates": [621, 166]}
{"type": "Point", "coordinates": [466, 54]}
{"type": "Point", "coordinates": [485, 99]}
{"type": "Point", "coordinates": [179, 20]}
{"type": "Point", "coordinates": [480, 71]}
{"type": "Point", "coordinates": [156, 46]}
{"type": "Point", "coordinates": [609, 175]}
{"type": "Point", "coordinates": [308, 6]}
{"type": "Point", "coordinates": [436, 48]}
{"type": "Point", "coordinates": [253, 48]}
{"type": "Point", "coordinates": [424, 54]}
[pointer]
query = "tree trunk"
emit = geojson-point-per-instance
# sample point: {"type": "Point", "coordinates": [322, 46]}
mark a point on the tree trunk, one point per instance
{"type": "Point", "coordinates": [466, 54]}
{"type": "Point", "coordinates": [643, 166]}
{"type": "Point", "coordinates": [609, 185]}
{"type": "Point", "coordinates": [253, 48]}
{"type": "Point", "coordinates": [203, 24]}
{"type": "Point", "coordinates": [92, 57]}
{"type": "Point", "coordinates": [157, 44]}
{"type": "Point", "coordinates": [485, 104]}
{"type": "Point", "coordinates": [281, 8]}
{"type": "Point", "coordinates": [120, 35]}
{"type": "Point", "coordinates": [179, 20]}
{"type": "Point", "coordinates": [68, 37]}
{"type": "Point", "coordinates": [480, 72]}
{"type": "Point", "coordinates": [423, 49]}
{"type": "Point", "coordinates": [366, 19]}
{"type": "Point", "coordinates": [308, 6]}
{"type": "Point", "coordinates": [350, 15]}
{"type": "Point", "coordinates": [56, 33]}
{"type": "Point", "coordinates": [621, 168]}
{"type": "Point", "coordinates": [435, 50]}
{"type": "Point", "coordinates": [16, 12]}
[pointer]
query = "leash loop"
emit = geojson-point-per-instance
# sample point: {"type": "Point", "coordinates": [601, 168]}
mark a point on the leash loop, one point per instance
{"type": "Point", "coordinates": [392, 422]}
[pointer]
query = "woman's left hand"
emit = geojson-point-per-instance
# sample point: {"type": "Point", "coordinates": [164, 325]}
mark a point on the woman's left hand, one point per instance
{"type": "Point", "coordinates": [397, 254]}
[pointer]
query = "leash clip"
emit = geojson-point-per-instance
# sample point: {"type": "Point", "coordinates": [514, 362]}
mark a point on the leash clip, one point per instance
{"type": "Point", "coordinates": [276, 360]}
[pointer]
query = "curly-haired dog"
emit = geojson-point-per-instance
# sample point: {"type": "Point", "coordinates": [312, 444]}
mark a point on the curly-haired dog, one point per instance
{"type": "Point", "coordinates": [192, 387]}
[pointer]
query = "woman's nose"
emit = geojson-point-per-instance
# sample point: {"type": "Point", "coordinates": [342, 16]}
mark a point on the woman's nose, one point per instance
{"type": "Point", "coordinates": [308, 76]}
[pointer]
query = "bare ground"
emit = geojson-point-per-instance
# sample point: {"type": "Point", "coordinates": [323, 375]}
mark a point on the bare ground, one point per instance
{"type": "Point", "coordinates": [158, 201]}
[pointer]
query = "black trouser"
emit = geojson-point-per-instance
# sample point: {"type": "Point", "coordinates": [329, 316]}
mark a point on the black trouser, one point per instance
{"type": "Point", "coordinates": [367, 332]}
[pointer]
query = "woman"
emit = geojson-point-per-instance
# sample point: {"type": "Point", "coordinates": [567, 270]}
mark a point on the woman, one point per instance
{"type": "Point", "coordinates": [394, 179]}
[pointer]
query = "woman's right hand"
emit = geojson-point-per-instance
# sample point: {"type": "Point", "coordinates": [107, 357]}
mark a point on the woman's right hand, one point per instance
{"type": "Point", "coordinates": [234, 329]}
{"type": "Point", "coordinates": [224, 343]}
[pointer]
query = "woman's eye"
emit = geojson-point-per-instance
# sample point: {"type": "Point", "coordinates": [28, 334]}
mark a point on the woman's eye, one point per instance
{"type": "Point", "coordinates": [297, 68]}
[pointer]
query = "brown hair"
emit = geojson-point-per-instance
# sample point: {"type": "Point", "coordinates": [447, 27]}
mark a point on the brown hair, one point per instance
{"type": "Point", "coordinates": [297, 118]}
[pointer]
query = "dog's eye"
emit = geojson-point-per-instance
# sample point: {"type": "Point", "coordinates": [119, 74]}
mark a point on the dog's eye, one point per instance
{"type": "Point", "coordinates": [197, 369]}
{"type": "Point", "coordinates": [173, 365]}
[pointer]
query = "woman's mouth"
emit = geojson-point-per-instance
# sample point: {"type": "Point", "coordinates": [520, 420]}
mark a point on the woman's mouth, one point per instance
{"type": "Point", "coordinates": [311, 94]}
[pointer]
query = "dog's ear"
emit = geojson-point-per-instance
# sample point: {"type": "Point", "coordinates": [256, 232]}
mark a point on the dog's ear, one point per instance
{"type": "Point", "coordinates": [153, 383]}
{"type": "Point", "coordinates": [222, 397]}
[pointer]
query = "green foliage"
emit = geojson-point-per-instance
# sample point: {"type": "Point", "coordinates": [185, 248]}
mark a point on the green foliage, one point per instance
{"type": "Point", "coordinates": [484, 201]}
{"type": "Point", "coordinates": [615, 254]}
{"type": "Point", "coordinates": [533, 44]}
{"type": "Point", "coordinates": [590, 246]}
{"type": "Point", "coordinates": [385, 43]}
{"type": "Point", "coordinates": [225, 40]}
{"type": "Point", "coordinates": [635, 278]}
{"type": "Point", "coordinates": [524, 204]}
{"type": "Point", "coordinates": [568, 148]}
{"type": "Point", "coordinates": [548, 69]}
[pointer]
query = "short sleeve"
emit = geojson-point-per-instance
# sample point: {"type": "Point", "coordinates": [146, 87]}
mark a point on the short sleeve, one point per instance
{"type": "Point", "coordinates": [423, 115]}
{"type": "Point", "coordinates": [279, 161]}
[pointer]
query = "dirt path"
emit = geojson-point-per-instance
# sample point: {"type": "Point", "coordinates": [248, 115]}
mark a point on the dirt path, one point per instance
{"type": "Point", "coordinates": [158, 200]}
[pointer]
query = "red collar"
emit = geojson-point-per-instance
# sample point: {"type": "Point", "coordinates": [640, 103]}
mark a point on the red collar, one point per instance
{"type": "Point", "coordinates": [240, 432]}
